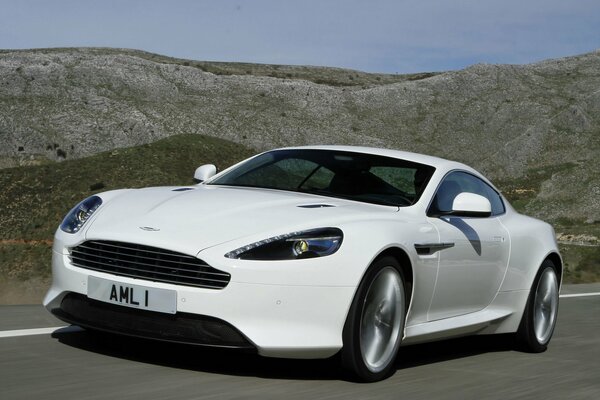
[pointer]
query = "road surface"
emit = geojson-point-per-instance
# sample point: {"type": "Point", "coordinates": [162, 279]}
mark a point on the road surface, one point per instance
{"type": "Point", "coordinates": [71, 363]}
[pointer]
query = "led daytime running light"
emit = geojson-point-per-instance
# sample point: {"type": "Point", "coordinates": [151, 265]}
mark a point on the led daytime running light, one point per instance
{"type": "Point", "coordinates": [295, 245]}
{"type": "Point", "coordinates": [236, 253]}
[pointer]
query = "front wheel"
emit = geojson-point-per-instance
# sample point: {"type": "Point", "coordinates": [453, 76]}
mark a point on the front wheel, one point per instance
{"type": "Point", "coordinates": [539, 317]}
{"type": "Point", "coordinates": [374, 326]}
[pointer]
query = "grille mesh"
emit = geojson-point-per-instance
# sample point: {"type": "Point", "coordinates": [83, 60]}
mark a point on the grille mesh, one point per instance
{"type": "Point", "coordinates": [145, 262]}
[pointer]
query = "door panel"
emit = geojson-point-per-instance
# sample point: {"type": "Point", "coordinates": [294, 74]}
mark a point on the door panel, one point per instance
{"type": "Point", "coordinates": [470, 272]}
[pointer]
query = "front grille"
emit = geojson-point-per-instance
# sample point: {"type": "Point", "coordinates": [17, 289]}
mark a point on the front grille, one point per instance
{"type": "Point", "coordinates": [149, 263]}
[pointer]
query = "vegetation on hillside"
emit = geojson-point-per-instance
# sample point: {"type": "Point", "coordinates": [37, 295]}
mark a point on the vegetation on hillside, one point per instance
{"type": "Point", "coordinates": [34, 199]}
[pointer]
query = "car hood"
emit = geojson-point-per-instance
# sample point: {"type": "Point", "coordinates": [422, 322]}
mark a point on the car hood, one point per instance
{"type": "Point", "coordinates": [192, 220]}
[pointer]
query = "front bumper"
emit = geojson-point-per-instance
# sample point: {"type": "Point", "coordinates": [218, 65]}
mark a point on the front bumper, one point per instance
{"type": "Point", "coordinates": [277, 320]}
{"type": "Point", "coordinates": [187, 328]}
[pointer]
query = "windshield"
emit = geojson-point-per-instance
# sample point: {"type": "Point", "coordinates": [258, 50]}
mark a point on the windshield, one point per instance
{"type": "Point", "coordinates": [355, 176]}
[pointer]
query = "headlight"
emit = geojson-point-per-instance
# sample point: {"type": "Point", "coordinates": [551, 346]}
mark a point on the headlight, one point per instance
{"type": "Point", "coordinates": [296, 245]}
{"type": "Point", "coordinates": [79, 214]}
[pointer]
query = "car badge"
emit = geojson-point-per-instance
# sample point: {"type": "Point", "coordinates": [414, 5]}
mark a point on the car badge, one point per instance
{"type": "Point", "coordinates": [149, 229]}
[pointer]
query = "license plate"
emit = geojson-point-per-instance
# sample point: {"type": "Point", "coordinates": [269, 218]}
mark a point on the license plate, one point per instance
{"type": "Point", "coordinates": [135, 296]}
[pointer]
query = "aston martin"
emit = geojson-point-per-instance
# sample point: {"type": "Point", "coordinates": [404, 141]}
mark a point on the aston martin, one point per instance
{"type": "Point", "coordinates": [311, 252]}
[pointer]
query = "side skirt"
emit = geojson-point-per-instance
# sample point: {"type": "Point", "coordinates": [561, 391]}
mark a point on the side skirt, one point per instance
{"type": "Point", "coordinates": [503, 315]}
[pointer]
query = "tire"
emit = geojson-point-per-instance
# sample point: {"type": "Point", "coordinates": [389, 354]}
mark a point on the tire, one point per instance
{"type": "Point", "coordinates": [540, 314]}
{"type": "Point", "coordinates": [375, 323]}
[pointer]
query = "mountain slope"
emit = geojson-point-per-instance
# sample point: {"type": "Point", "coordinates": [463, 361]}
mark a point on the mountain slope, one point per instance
{"type": "Point", "coordinates": [539, 121]}
{"type": "Point", "coordinates": [534, 129]}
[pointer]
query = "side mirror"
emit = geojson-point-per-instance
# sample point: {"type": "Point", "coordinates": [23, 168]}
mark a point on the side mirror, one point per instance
{"type": "Point", "coordinates": [471, 205]}
{"type": "Point", "coordinates": [204, 172]}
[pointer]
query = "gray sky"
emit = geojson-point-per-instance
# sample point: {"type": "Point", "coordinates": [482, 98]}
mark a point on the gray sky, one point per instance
{"type": "Point", "coordinates": [376, 36]}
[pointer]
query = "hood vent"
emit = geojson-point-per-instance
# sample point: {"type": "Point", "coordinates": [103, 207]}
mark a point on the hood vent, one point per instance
{"type": "Point", "coordinates": [182, 189]}
{"type": "Point", "coordinates": [315, 205]}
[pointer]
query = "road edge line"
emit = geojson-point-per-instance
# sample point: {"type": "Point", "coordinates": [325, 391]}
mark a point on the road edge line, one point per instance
{"type": "Point", "coordinates": [30, 332]}
{"type": "Point", "coordinates": [580, 295]}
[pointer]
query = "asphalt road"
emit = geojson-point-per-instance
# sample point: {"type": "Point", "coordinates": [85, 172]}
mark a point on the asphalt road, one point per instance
{"type": "Point", "coordinates": [71, 363]}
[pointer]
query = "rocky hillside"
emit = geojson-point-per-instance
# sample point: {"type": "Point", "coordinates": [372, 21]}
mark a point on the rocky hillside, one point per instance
{"type": "Point", "coordinates": [534, 129]}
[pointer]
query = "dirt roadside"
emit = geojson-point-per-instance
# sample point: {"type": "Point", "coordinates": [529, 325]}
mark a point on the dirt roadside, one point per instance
{"type": "Point", "coordinates": [31, 291]}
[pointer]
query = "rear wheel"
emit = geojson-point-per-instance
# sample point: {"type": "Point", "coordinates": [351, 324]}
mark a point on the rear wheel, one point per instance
{"type": "Point", "coordinates": [539, 318]}
{"type": "Point", "coordinates": [374, 326]}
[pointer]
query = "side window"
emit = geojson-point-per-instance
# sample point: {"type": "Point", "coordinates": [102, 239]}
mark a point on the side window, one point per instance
{"type": "Point", "coordinates": [459, 182]}
{"type": "Point", "coordinates": [494, 198]}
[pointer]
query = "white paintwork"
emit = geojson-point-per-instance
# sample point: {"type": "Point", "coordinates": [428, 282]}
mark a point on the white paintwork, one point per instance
{"type": "Point", "coordinates": [297, 308]}
{"type": "Point", "coordinates": [471, 272]}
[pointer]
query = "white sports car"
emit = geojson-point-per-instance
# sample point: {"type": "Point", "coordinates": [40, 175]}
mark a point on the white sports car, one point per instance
{"type": "Point", "coordinates": [308, 252]}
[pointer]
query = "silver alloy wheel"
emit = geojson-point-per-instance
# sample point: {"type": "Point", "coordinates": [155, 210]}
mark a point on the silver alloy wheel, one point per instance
{"type": "Point", "coordinates": [545, 306]}
{"type": "Point", "coordinates": [382, 319]}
